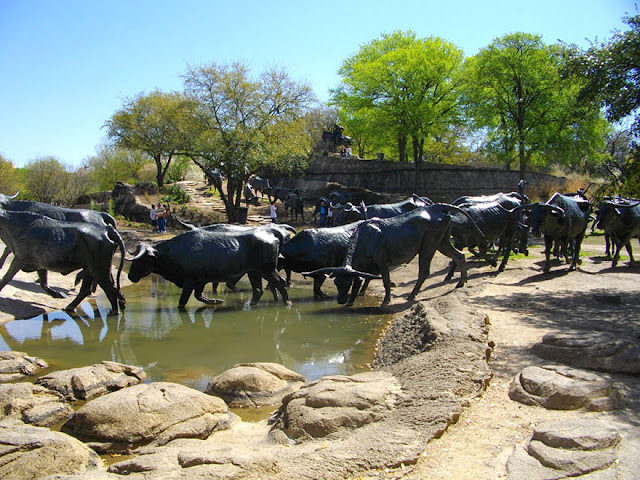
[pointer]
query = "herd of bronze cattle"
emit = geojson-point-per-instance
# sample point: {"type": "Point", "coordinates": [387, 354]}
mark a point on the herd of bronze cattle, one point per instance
{"type": "Point", "coordinates": [364, 243]}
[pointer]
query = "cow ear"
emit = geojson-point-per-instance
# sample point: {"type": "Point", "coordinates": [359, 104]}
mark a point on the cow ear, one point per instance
{"type": "Point", "coordinates": [618, 211]}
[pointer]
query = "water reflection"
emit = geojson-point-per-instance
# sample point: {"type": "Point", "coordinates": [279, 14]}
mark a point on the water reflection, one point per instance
{"type": "Point", "coordinates": [192, 345]}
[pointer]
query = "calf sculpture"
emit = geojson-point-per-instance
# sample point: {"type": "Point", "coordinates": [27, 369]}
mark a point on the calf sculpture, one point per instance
{"type": "Point", "coordinates": [194, 258]}
{"type": "Point", "coordinates": [379, 244]}
{"type": "Point", "coordinates": [41, 244]}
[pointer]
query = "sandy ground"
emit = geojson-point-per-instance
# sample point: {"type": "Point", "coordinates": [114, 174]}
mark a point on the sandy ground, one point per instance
{"type": "Point", "coordinates": [522, 304]}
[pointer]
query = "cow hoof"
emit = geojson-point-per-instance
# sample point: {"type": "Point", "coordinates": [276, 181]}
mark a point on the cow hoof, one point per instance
{"type": "Point", "coordinates": [501, 269]}
{"type": "Point", "coordinates": [460, 284]}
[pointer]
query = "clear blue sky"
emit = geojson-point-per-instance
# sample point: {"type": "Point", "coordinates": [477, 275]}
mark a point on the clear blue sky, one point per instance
{"type": "Point", "coordinates": [66, 66]}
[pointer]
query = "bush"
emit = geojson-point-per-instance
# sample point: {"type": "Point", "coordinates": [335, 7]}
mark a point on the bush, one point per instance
{"type": "Point", "coordinates": [175, 194]}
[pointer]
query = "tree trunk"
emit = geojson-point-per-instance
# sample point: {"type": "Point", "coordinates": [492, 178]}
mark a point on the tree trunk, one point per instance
{"type": "Point", "coordinates": [159, 171]}
{"type": "Point", "coordinates": [402, 148]}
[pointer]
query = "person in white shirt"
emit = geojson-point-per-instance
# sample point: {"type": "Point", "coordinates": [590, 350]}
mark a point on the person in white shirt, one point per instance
{"type": "Point", "coordinates": [274, 211]}
{"type": "Point", "coordinates": [154, 217]}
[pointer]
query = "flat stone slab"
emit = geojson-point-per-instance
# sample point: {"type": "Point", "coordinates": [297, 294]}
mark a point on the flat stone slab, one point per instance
{"type": "Point", "coordinates": [337, 402]}
{"type": "Point", "coordinates": [85, 383]}
{"type": "Point", "coordinates": [564, 388]}
{"type": "Point", "coordinates": [567, 449]}
{"type": "Point", "coordinates": [33, 404]}
{"type": "Point", "coordinates": [17, 365]}
{"type": "Point", "coordinates": [154, 413]}
{"type": "Point", "coordinates": [605, 352]}
{"type": "Point", "coordinates": [28, 452]}
{"type": "Point", "coordinates": [255, 384]}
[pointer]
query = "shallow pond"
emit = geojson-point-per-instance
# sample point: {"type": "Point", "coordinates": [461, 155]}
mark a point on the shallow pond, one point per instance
{"type": "Point", "coordinates": [313, 338]}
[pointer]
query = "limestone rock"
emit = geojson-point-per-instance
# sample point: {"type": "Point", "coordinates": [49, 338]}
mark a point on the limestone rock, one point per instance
{"type": "Point", "coordinates": [33, 404]}
{"type": "Point", "coordinates": [255, 384]}
{"type": "Point", "coordinates": [566, 449]}
{"type": "Point", "coordinates": [15, 365]}
{"type": "Point", "coordinates": [337, 402]}
{"type": "Point", "coordinates": [153, 413]}
{"type": "Point", "coordinates": [564, 388]}
{"type": "Point", "coordinates": [29, 452]}
{"type": "Point", "coordinates": [87, 382]}
{"type": "Point", "coordinates": [601, 351]}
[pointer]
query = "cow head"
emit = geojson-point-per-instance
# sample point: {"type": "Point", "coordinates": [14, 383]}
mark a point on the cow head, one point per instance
{"type": "Point", "coordinates": [143, 263]}
{"type": "Point", "coordinates": [544, 214]}
{"type": "Point", "coordinates": [344, 278]}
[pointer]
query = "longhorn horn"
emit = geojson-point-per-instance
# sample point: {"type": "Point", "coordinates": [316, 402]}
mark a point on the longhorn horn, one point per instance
{"type": "Point", "coordinates": [142, 248]}
{"type": "Point", "coordinates": [341, 272]}
{"type": "Point", "coordinates": [14, 195]}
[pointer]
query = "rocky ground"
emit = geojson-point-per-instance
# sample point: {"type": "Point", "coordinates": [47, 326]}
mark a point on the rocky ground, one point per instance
{"type": "Point", "coordinates": [446, 384]}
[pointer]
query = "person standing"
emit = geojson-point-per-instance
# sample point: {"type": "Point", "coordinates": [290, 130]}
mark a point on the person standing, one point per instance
{"type": "Point", "coordinates": [161, 212]}
{"type": "Point", "coordinates": [274, 211]}
{"type": "Point", "coordinates": [323, 214]}
{"type": "Point", "coordinates": [154, 218]}
{"type": "Point", "coordinates": [349, 150]}
{"type": "Point", "coordinates": [329, 216]}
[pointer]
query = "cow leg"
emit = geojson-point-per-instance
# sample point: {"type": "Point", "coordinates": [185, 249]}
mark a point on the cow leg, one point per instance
{"type": "Point", "coordinates": [354, 291]}
{"type": "Point", "coordinates": [85, 291]}
{"type": "Point", "coordinates": [5, 254]}
{"type": "Point", "coordinates": [386, 281]}
{"type": "Point", "coordinates": [607, 242]}
{"type": "Point", "coordinates": [619, 244]}
{"type": "Point", "coordinates": [452, 270]}
{"type": "Point", "coordinates": [278, 283]}
{"type": "Point", "coordinates": [288, 274]}
{"type": "Point", "coordinates": [548, 244]}
{"type": "Point", "coordinates": [186, 293]}
{"type": "Point", "coordinates": [318, 280]}
{"type": "Point", "coordinates": [256, 286]}
{"type": "Point", "coordinates": [42, 277]}
{"type": "Point", "coordinates": [628, 246]}
{"type": "Point", "coordinates": [576, 251]}
{"type": "Point", "coordinates": [450, 251]}
{"type": "Point", "coordinates": [197, 292]}
{"type": "Point", "coordinates": [365, 285]}
{"type": "Point", "coordinates": [106, 282]}
{"type": "Point", "coordinates": [507, 251]}
{"type": "Point", "coordinates": [11, 272]}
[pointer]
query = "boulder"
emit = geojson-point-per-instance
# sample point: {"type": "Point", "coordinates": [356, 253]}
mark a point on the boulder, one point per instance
{"type": "Point", "coordinates": [605, 352]}
{"type": "Point", "coordinates": [338, 402]}
{"type": "Point", "coordinates": [564, 388]}
{"type": "Point", "coordinates": [148, 414]}
{"type": "Point", "coordinates": [254, 384]}
{"type": "Point", "coordinates": [87, 382]}
{"type": "Point", "coordinates": [16, 365]}
{"type": "Point", "coordinates": [566, 449]}
{"type": "Point", "coordinates": [30, 452]}
{"type": "Point", "coordinates": [33, 404]}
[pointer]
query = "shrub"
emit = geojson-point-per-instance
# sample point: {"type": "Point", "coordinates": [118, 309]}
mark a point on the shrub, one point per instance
{"type": "Point", "coordinates": [175, 194]}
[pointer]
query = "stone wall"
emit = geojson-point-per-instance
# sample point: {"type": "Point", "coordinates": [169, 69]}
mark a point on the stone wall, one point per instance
{"type": "Point", "coordinates": [441, 183]}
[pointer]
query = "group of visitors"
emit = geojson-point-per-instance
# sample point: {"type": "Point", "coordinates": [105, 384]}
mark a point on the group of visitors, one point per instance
{"type": "Point", "coordinates": [159, 217]}
{"type": "Point", "coordinates": [346, 152]}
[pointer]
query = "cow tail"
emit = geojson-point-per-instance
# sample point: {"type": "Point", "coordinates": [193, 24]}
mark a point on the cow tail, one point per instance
{"type": "Point", "coordinates": [115, 236]}
{"type": "Point", "coordinates": [459, 211]}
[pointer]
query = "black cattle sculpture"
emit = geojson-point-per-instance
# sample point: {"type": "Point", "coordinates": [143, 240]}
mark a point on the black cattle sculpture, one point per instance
{"type": "Point", "coordinates": [194, 258]}
{"type": "Point", "coordinates": [379, 244]}
{"type": "Point", "coordinates": [563, 220]}
{"type": "Point", "coordinates": [42, 244]}
{"type": "Point", "coordinates": [317, 248]}
{"type": "Point", "coordinates": [259, 184]}
{"type": "Point", "coordinates": [620, 220]}
{"type": "Point", "coordinates": [351, 213]}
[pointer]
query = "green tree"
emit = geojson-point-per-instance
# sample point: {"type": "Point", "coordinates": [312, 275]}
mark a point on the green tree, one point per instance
{"type": "Point", "coordinates": [10, 178]}
{"type": "Point", "coordinates": [243, 124]}
{"type": "Point", "coordinates": [48, 180]}
{"type": "Point", "coordinates": [530, 111]}
{"type": "Point", "coordinates": [112, 163]}
{"type": "Point", "coordinates": [611, 71]}
{"type": "Point", "coordinates": [155, 124]}
{"type": "Point", "coordinates": [405, 86]}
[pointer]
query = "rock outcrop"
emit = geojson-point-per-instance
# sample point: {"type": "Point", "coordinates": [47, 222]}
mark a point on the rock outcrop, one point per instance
{"type": "Point", "coordinates": [16, 365]}
{"type": "Point", "coordinates": [594, 350]}
{"type": "Point", "coordinates": [154, 413]}
{"type": "Point", "coordinates": [85, 383]}
{"type": "Point", "coordinates": [254, 384]}
{"type": "Point", "coordinates": [33, 404]}
{"type": "Point", "coordinates": [337, 402]}
{"type": "Point", "coordinates": [30, 452]}
{"type": "Point", "coordinates": [564, 388]}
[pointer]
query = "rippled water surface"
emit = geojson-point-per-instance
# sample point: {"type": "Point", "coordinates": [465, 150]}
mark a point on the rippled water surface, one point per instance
{"type": "Point", "coordinates": [189, 347]}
